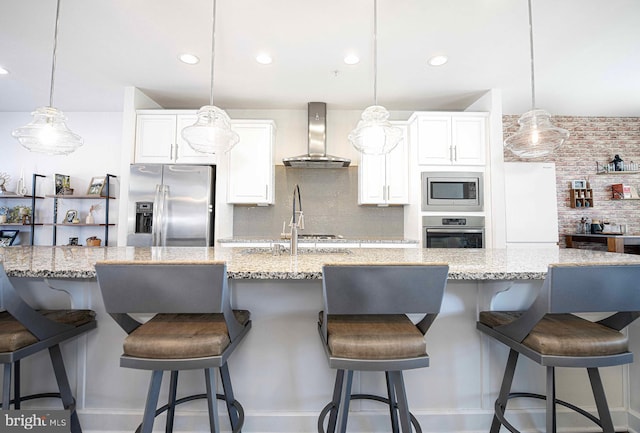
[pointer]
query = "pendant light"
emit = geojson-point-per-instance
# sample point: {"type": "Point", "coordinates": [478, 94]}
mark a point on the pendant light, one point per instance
{"type": "Point", "coordinates": [47, 132]}
{"type": "Point", "coordinates": [374, 134]}
{"type": "Point", "coordinates": [537, 136]}
{"type": "Point", "coordinates": [212, 131]}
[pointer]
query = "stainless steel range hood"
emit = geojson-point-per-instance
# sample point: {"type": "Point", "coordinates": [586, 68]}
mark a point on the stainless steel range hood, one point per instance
{"type": "Point", "coordinates": [317, 146]}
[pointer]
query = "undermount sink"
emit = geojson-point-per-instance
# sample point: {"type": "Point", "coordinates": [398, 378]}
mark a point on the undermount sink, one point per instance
{"type": "Point", "coordinates": [301, 251]}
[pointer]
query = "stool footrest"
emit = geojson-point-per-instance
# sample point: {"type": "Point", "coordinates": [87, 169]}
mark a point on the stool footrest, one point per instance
{"type": "Point", "coordinates": [236, 404]}
{"type": "Point", "coordinates": [42, 395]}
{"type": "Point", "coordinates": [330, 406]}
{"type": "Point", "coordinates": [499, 410]}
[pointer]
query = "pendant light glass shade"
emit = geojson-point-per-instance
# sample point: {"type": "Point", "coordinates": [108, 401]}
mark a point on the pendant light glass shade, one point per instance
{"type": "Point", "coordinates": [374, 134]}
{"type": "Point", "coordinates": [47, 132]}
{"type": "Point", "coordinates": [212, 131]}
{"type": "Point", "coordinates": [537, 136]}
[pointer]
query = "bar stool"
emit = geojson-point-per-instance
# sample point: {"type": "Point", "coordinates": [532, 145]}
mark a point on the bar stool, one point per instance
{"type": "Point", "coordinates": [550, 335]}
{"type": "Point", "coordinates": [193, 327]}
{"type": "Point", "coordinates": [25, 331]}
{"type": "Point", "coordinates": [364, 327]}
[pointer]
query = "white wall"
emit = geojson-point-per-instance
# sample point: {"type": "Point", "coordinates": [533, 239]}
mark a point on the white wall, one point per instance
{"type": "Point", "coordinates": [100, 154]}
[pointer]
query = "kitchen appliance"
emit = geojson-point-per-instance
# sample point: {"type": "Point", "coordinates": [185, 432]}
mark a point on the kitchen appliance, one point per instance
{"type": "Point", "coordinates": [531, 204]}
{"type": "Point", "coordinates": [171, 205]}
{"type": "Point", "coordinates": [452, 191]}
{"type": "Point", "coordinates": [453, 231]}
{"type": "Point", "coordinates": [316, 156]}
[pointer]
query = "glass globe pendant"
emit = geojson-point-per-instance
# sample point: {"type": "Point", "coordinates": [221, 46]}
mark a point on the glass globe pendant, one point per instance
{"type": "Point", "coordinates": [537, 136]}
{"type": "Point", "coordinates": [47, 132]}
{"type": "Point", "coordinates": [212, 131]}
{"type": "Point", "coordinates": [374, 134]}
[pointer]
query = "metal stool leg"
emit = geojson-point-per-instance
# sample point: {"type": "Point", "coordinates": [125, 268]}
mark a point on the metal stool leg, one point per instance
{"type": "Point", "coordinates": [228, 395]}
{"type": "Point", "coordinates": [345, 398]}
{"type": "Point", "coordinates": [335, 401]}
{"type": "Point", "coordinates": [6, 386]}
{"type": "Point", "coordinates": [401, 395]}
{"type": "Point", "coordinates": [505, 389]}
{"type": "Point", "coordinates": [601, 400]}
{"type": "Point", "coordinates": [63, 385]}
{"type": "Point", "coordinates": [212, 403]}
{"type": "Point", "coordinates": [152, 401]}
{"type": "Point", "coordinates": [16, 385]}
{"type": "Point", "coordinates": [392, 403]}
{"type": "Point", "coordinates": [551, 400]}
{"type": "Point", "coordinates": [171, 409]}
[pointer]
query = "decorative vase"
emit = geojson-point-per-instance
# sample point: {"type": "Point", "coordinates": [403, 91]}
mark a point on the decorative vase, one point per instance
{"type": "Point", "coordinates": [90, 219]}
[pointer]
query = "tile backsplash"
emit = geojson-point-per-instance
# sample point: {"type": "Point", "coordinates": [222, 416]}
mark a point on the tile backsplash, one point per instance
{"type": "Point", "coordinates": [330, 206]}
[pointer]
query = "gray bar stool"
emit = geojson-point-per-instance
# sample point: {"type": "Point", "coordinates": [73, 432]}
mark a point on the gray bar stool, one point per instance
{"type": "Point", "coordinates": [193, 327]}
{"type": "Point", "coordinates": [550, 335]}
{"type": "Point", "coordinates": [24, 332]}
{"type": "Point", "coordinates": [364, 326]}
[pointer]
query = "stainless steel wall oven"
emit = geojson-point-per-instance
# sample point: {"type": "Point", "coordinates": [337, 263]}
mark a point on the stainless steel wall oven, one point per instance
{"type": "Point", "coordinates": [453, 231]}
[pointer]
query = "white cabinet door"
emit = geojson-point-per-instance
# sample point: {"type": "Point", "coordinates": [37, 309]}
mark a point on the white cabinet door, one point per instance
{"type": "Point", "coordinates": [397, 169]}
{"type": "Point", "coordinates": [452, 139]}
{"type": "Point", "coordinates": [155, 138]}
{"type": "Point", "coordinates": [159, 140]}
{"type": "Point", "coordinates": [251, 171]}
{"type": "Point", "coordinates": [371, 179]}
{"type": "Point", "coordinates": [469, 140]}
{"type": "Point", "coordinates": [384, 179]}
{"type": "Point", "coordinates": [434, 140]}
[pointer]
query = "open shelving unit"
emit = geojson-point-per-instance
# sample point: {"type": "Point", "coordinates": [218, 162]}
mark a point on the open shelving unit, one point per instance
{"type": "Point", "coordinates": [106, 197]}
{"type": "Point", "coordinates": [33, 197]}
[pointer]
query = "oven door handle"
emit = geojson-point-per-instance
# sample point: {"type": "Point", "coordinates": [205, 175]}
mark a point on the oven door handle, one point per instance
{"type": "Point", "coordinates": [439, 230]}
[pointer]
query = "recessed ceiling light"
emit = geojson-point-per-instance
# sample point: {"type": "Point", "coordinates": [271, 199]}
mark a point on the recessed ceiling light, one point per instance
{"type": "Point", "coordinates": [4, 71]}
{"type": "Point", "coordinates": [438, 60]}
{"type": "Point", "coordinates": [264, 59]}
{"type": "Point", "coordinates": [352, 59]}
{"type": "Point", "coordinates": [189, 59]}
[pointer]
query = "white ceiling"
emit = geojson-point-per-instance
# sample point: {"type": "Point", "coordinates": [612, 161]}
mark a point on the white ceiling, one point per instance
{"type": "Point", "coordinates": [587, 54]}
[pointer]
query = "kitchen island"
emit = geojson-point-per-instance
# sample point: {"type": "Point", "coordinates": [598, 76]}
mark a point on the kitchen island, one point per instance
{"type": "Point", "coordinates": [280, 371]}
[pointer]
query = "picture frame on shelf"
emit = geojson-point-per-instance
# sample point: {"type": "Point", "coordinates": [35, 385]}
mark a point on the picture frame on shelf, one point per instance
{"type": "Point", "coordinates": [62, 184]}
{"type": "Point", "coordinates": [96, 185]}
{"type": "Point", "coordinates": [8, 237]}
{"type": "Point", "coordinates": [579, 184]}
{"type": "Point", "coordinates": [71, 216]}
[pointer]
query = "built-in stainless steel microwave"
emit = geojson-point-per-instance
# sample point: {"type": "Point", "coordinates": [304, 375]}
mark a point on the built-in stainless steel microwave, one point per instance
{"type": "Point", "coordinates": [452, 191]}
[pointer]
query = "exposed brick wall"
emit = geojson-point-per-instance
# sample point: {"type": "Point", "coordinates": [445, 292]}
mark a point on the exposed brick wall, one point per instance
{"type": "Point", "coordinates": [592, 139]}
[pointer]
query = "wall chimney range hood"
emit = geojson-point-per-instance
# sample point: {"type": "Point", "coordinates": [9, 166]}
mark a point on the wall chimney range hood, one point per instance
{"type": "Point", "coordinates": [317, 145]}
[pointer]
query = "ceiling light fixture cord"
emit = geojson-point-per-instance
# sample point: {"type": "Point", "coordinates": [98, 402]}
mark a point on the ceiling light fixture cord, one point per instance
{"type": "Point", "coordinates": [375, 52]}
{"type": "Point", "coordinates": [213, 51]}
{"type": "Point", "coordinates": [55, 49]}
{"type": "Point", "coordinates": [533, 81]}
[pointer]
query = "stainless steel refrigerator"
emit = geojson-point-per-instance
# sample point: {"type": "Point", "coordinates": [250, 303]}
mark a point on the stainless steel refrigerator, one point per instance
{"type": "Point", "coordinates": [171, 205]}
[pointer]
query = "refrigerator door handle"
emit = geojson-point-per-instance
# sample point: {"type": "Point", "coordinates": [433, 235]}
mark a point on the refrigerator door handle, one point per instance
{"type": "Point", "coordinates": [156, 229]}
{"type": "Point", "coordinates": [164, 218]}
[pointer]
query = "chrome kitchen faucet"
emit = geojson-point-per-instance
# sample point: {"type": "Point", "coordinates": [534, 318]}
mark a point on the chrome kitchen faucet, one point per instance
{"type": "Point", "coordinates": [296, 224]}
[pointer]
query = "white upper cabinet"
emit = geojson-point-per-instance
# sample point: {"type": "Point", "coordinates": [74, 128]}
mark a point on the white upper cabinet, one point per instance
{"type": "Point", "coordinates": [251, 170]}
{"type": "Point", "coordinates": [158, 140]}
{"type": "Point", "coordinates": [451, 138]}
{"type": "Point", "coordinates": [384, 179]}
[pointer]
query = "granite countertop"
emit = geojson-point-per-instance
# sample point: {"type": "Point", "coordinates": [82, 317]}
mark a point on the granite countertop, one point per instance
{"type": "Point", "coordinates": [261, 263]}
{"type": "Point", "coordinates": [302, 240]}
